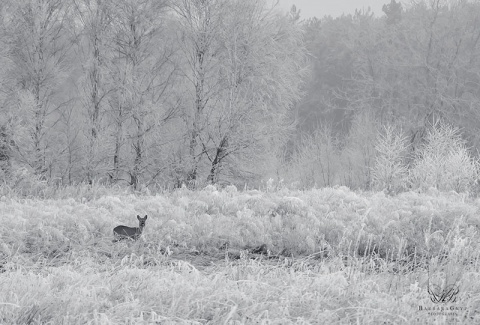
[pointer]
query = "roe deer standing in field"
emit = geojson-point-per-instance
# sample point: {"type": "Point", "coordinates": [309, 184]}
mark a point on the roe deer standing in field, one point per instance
{"type": "Point", "coordinates": [123, 232]}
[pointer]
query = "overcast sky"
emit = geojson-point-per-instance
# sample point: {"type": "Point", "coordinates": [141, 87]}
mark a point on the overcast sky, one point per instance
{"type": "Point", "coordinates": [334, 8]}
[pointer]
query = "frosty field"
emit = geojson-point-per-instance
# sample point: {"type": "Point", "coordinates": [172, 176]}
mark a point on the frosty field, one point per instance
{"type": "Point", "coordinates": [333, 256]}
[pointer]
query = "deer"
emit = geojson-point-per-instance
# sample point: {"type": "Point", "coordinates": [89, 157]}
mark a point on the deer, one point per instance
{"type": "Point", "coordinates": [124, 232]}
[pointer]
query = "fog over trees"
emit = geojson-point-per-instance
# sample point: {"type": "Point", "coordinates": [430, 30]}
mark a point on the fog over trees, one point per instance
{"type": "Point", "coordinates": [415, 68]}
{"type": "Point", "coordinates": [168, 92]}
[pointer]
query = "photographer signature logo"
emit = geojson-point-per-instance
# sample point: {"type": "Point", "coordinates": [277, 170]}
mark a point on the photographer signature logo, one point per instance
{"type": "Point", "coordinates": [443, 287]}
{"type": "Point", "coordinates": [443, 295]}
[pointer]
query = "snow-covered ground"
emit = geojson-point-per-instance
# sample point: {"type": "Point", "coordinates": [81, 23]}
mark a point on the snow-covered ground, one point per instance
{"type": "Point", "coordinates": [333, 256]}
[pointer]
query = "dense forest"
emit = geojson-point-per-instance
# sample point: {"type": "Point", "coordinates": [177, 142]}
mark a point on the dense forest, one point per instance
{"type": "Point", "coordinates": [395, 95]}
{"type": "Point", "coordinates": [160, 93]}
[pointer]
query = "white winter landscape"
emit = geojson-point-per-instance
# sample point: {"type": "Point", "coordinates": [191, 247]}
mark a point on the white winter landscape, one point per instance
{"type": "Point", "coordinates": [239, 162]}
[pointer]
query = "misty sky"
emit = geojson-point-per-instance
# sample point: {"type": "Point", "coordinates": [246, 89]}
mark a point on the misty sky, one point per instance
{"type": "Point", "coordinates": [335, 8]}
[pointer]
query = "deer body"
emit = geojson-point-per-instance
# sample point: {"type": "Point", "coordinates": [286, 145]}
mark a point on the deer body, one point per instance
{"type": "Point", "coordinates": [124, 232]}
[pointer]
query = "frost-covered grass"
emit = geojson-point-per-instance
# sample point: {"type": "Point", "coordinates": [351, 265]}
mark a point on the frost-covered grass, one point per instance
{"type": "Point", "coordinates": [334, 257]}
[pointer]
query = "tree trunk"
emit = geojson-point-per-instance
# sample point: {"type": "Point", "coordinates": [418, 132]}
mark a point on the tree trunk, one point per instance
{"type": "Point", "coordinates": [118, 144]}
{"type": "Point", "coordinates": [138, 146]}
{"type": "Point", "coordinates": [219, 155]}
{"type": "Point", "coordinates": [199, 106]}
{"type": "Point", "coordinates": [95, 112]}
{"type": "Point", "coordinates": [39, 156]}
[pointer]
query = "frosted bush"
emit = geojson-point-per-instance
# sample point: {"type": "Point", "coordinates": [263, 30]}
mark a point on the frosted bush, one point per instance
{"type": "Point", "coordinates": [23, 181]}
{"type": "Point", "coordinates": [316, 163]}
{"type": "Point", "coordinates": [443, 162]}
{"type": "Point", "coordinates": [357, 156]}
{"type": "Point", "coordinates": [389, 171]}
{"type": "Point", "coordinates": [460, 171]}
{"type": "Point", "coordinates": [292, 205]}
{"type": "Point", "coordinates": [210, 188]}
{"type": "Point", "coordinates": [231, 189]}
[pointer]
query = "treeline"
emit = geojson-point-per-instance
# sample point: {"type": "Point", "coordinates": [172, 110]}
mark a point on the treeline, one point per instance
{"type": "Point", "coordinates": [171, 92]}
{"type": "Point", "coordinates": [150, 92]}
{"type": "Point", "coordinates": [415, 70]}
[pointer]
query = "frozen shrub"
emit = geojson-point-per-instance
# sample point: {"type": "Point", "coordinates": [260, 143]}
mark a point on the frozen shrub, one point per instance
{"type": "Point", "coordinates": [25, 182]}
{"type": "Point", "coordinates": [316, 161]}
{"type": "Point", "coordinates": [210, 188]}
{"type": "Point", "coordinates": [356, 158]}
{"type": "Point", "coordinates": [443, 162]}
{"type": "Point", "coordinates": [389, 170]}
{"type": "Point", "coordinates": [231, 189]}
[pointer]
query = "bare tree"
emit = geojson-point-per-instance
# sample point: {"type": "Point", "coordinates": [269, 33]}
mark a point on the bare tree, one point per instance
{"type": "Point", "coordinates": [93, 19]}
{"type": "Point", "coordinates": [199, 31]}
{"type": "Point", "coordinates": [262, 66]}
{"type": "Point", "coordinates": [143, 71]}
{"type": "Point", "coordinates": [243, 67]}
{"type": "Point", "coordinates": [38, 49]}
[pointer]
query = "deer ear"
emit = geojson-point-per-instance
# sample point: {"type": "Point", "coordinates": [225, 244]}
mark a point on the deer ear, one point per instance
{"type": "Point", "coordinates": [138, 217]}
